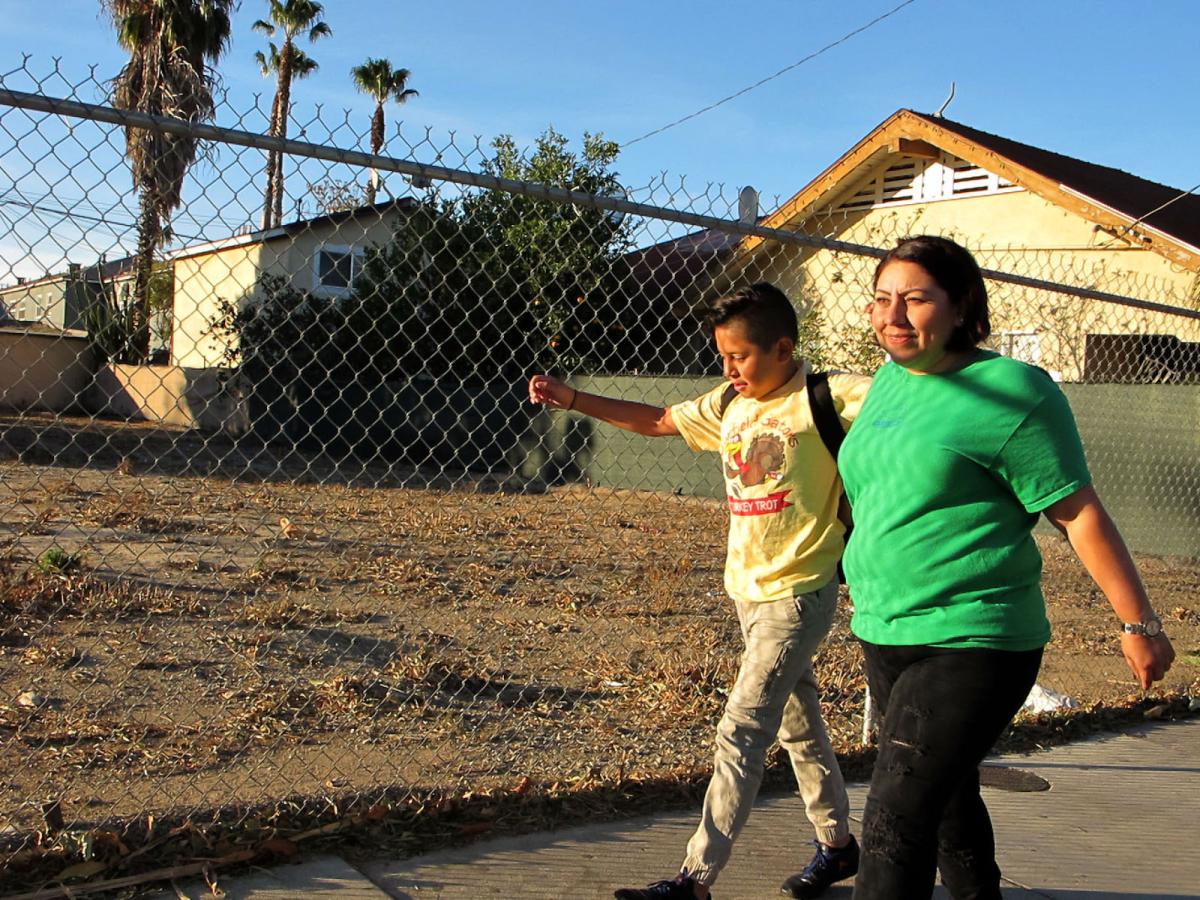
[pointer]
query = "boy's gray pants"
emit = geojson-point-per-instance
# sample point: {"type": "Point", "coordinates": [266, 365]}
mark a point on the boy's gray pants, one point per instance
{"type": "Point", "coordinates": [773, 696]}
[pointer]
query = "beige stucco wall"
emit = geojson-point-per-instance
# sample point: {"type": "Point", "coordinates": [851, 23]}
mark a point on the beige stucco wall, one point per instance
{"type": "Point", "coordinates": [201, 283]}
{"type": "Point", "coordinates": [43, 371]}
{"type": "Point", "coordinates": [192, 398]}
{"type": "Point", "coordinates": [204, 280]}
{"type": "Point", "coordinates": [1015, 232]}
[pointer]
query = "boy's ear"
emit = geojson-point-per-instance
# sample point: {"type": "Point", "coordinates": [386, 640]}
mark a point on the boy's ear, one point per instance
{"type": "Point", "coordinates": [785, 348]}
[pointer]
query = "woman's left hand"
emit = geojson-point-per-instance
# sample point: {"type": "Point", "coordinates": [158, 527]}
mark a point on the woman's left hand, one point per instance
{"type": "Point", "coordinates": [1148, 657]}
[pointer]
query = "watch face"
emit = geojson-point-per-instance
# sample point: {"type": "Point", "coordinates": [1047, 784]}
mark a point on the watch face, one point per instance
{"type": "Point", "coordinates": [1152, 628]}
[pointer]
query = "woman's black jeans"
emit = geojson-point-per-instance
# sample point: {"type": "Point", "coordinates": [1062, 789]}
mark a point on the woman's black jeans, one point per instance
{"type": "Point", "coordinates": [942, 711]}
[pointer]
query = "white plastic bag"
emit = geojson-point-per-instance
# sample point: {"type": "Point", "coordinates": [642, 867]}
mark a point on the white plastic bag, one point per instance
{"type": "Point", "coordinates": [1042, 699]}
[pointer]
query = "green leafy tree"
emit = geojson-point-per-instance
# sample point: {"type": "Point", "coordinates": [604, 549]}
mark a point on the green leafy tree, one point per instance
{"type": "Point", "coordinates": [283, 334]}
{"type": "Point", "coordinates": [377, 78]}
{"type": "Point", "coordinates": [476, 287]}
{"type": "Point", "coordinates": [564, 261]}
{"type": "Point", "coordinates": [290, 19]}
{"type": "Point", "coordinates": [173, 47]}
{"type": "Point", "coordinates": [489, 283]}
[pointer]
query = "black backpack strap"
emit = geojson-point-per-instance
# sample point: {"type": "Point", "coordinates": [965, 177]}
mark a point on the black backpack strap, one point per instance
{"type": "Point", "coordinates": [829, 426]}
{"type": "Point", "coordinates": [824, 413]}
{"type": "Point", "coordinates": [726, 399]}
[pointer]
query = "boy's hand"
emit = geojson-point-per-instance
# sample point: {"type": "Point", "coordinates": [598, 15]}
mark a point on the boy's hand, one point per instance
{"type": "Point", "coordinates": [549, 391]}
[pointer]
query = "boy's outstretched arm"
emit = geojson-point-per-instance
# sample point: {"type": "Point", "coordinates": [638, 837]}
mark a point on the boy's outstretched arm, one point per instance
{"type": "Point", "coordinates": [640, 418]}
{"type": "Point", "coordinates": [1101, 549]}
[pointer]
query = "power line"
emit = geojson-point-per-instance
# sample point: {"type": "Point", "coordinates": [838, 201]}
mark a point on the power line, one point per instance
{"type": "Point", "coordinates": [73, 203]}
{"type": "Point", "coordinates": [66, 214]}
{"type": "Point", "coordinates": [782, 71]}
{"type": "Point", "coordinates": [1161, 207]}
{"type": "Point", "coordinates": [117, 227]}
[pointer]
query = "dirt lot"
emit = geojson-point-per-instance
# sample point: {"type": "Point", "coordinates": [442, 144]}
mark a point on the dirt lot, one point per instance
{"type": "Point", "coordinates": [216, 624]}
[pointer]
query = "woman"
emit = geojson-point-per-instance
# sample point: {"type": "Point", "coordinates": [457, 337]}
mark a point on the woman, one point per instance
{"type": "Point", "coordinates": [955, 453]}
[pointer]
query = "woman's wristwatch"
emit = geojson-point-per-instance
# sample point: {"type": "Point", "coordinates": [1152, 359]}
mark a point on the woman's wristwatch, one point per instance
{"type": "Point", "coordinates": [1150, 627]}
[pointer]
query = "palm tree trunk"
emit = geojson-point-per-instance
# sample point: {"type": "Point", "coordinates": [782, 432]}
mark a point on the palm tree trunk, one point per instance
{"type": "Point", "coordinates": [138, 350]}
{"type": "Point", "coordinates": [279, 188]}
{"type": "Point", "coordinates": [285, 104]}
{"type": "Point", "coordinates": [376, 148]}
{"type": "Point", "coordinates": [269, 196]}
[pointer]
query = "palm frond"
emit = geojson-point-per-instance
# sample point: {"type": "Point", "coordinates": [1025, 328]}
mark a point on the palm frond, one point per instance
{"type": "Point", "coordinates": [172, 45]}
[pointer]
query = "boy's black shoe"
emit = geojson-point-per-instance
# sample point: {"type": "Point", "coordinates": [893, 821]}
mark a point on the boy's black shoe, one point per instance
{"type": "Point", "coordinates": [679, 888]}
{"type": "Point", "coordinates": [826, 867]}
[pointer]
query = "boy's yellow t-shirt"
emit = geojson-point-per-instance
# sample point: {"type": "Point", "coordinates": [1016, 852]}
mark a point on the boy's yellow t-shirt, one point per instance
{"type": "Point", "coordinates": [782, 485]}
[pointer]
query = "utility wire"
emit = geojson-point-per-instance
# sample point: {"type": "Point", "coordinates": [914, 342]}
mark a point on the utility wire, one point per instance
{"type": "Point", "coordinates": [66, 214]}
{"type": "Point", "coordinates": [73, 203]}
{"type": "Point", "coordinates": [116, 226]}
{"type": "Point", "coordinates": [782, 71]}
{"type": "Point", "coordinates": [1161, 207]}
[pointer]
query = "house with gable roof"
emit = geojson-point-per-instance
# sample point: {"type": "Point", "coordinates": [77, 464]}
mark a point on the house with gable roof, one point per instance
{"type": "Point", "coordinates": [321, 255]}
{"type": "Point", "coordinates": [1021, 210]}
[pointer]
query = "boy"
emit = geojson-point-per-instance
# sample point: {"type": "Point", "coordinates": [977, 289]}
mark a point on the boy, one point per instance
{"type": "Point", "coordinates": [784, 542]}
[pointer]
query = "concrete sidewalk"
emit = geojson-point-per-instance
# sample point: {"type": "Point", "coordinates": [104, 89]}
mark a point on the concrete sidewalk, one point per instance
{"type": "Point", "coordinates": [1120, 820]}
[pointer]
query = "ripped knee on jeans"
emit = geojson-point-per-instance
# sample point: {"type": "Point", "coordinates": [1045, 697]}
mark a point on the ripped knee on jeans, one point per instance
{"type": "Point", "coordinates": [883, 835]}
{"type": "Point", "coordinates": [917, 715]}
{"type": "Point", "coordinates": [899, 761]}
{"type": "Point", "coordinates": [966, 857]}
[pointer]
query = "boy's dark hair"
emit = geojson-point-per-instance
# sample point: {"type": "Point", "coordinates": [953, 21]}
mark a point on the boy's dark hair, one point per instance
{"type": "Point", "coordinates": [956, 272]}
{"type": "Point", "coordinates": [764, 309]}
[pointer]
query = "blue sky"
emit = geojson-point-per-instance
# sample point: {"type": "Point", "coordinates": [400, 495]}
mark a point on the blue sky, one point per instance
{"type": "Point", "coordinates": [1111, 82]}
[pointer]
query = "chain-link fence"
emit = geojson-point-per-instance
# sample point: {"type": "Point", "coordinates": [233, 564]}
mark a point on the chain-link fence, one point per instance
{"type": "Point", "coordinates": [278, 524]}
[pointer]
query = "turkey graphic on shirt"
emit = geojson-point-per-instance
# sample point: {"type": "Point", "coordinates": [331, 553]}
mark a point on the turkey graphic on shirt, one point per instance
{"type": "Point", "coordinates": [754, 463]}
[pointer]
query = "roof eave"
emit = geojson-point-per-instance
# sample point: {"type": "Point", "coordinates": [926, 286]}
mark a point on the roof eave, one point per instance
{"type": "Point", "coordinates": [810, 196]}
{"type": "Point", "coordinates": [907, 124]}
{"type": "Point", "coordinates": [381, 209]}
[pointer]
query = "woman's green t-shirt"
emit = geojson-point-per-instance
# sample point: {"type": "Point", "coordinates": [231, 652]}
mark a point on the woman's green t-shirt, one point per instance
{"type": "Point", "coordinates": [946, 474]}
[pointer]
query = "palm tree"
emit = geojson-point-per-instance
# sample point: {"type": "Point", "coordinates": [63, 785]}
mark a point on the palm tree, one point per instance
{"type": "Point", "coordinates": [173, 48]}
{"type": "Point", "coordinates": [291, 18]}
{"type": "Point", "coordinates": [377, 78]}
{"type": "Point", "coordinates": [302, 65]}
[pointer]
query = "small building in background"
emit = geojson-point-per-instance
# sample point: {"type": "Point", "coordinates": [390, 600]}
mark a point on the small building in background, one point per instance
{"type": "Point", "coordinates": [61, 300]}
{"type": "Point", "coordinates": [321, 255]}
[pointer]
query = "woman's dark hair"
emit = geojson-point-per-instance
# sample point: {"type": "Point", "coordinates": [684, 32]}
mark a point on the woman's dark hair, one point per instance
{"type": "Point", "coordinates": [957, 273]}
{"type": "Point", "coordinates": [763, 309]}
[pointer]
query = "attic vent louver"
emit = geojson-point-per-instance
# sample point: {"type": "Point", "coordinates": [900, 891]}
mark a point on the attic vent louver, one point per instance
{"type": "Point", "coordinates": [911, 180]}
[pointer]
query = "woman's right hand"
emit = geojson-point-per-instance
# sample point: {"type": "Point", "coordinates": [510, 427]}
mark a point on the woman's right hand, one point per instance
{"type": "Point", "coordinates": [1149, 658]}
{"type": "Point", "coordinates": [549, 391]}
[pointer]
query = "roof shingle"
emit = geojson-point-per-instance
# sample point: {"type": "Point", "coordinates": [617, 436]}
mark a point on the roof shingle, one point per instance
{"type": "Point", "coordinates": [1118, 190]}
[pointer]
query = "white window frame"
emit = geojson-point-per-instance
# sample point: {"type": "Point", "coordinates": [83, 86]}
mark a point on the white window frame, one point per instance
{"type": "Point", "coordinates": [1005, 341]}
{"type": "Point", "coordinates": [356, 254]}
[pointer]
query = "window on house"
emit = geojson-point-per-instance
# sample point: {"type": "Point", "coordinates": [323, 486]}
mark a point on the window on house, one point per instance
{"type": "Point", "coordinates": [1141, 359]}
{"type": "Point", "coordinates": [1022, 345]}
{"type": "Point", "coordinates": [335, 270]}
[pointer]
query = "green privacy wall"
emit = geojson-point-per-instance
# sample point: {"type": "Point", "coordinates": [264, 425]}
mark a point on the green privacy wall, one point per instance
{"type": "Point", "coordinates": [1142, 441]}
